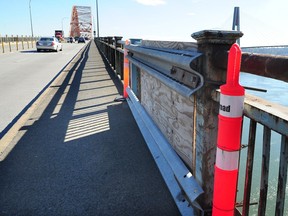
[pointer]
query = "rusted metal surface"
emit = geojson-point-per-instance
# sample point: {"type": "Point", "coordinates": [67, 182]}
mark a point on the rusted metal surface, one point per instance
{"type": "Point", "coordinates": [184, 77]}
{"type": "Point", "coordinates": [249, 168]}
{"type": "Point", "coordinates": [216, 36]}
{"type": "Point", "coordinates": [265, 65]}
{"type": "Point", "coordinates": [270, 66]}
{"type": "Point", "coordinates": [265, 171]}
{"type": "Point", "coordinates": [212, 66]}
{"type": "Point", "coordinates": [282, 178]}
{"type": "Point", "coordinates": [274, 118]}
{"type": "Point", "coordinates": [272, 115]}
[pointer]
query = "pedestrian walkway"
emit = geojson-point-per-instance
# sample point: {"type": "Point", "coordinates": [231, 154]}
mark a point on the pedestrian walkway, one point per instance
{"type": "Point", "coordinates": [81, 153]}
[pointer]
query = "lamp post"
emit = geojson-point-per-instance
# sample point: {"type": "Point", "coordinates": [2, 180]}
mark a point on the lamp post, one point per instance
{"type": "Point", "coordinates": [97, 18]}
{"type": "Point", "coordinates": [31, 18]}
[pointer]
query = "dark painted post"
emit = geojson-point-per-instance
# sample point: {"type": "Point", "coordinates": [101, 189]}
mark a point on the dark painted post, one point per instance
{"type": "Point", "coordinates": [116, 39]}
{"type": "Point", "coordinates": [105, 39]}
{"type": "Point", "coordinates": [118, 62]}
{"type": "Point", "coordinates": [101, 45]}
{"type": "Point", "coordinates": [110, 42]}
{"type": "Point", "coordinates": [214, 45]}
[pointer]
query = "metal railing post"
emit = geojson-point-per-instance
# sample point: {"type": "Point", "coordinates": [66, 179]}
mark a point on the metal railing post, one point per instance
{"type": "Point", "coordinates": [109, 54]}
{"type": "Point", "coordinates": [117, 53]}
{"type": "Point", "coordinates": [212, 44]}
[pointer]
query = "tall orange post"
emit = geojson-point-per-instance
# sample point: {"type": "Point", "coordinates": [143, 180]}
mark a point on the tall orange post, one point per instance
{"type": "Point", "coordinates": [229, 136]}
{"type": "Point", "coordinates": [126, 70]}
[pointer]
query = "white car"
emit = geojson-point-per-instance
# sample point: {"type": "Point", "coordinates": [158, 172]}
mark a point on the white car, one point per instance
{"type": "Point", "coordinates": [48, 43]}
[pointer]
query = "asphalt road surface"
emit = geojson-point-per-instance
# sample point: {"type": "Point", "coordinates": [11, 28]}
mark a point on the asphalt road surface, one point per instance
{"type": "Point", "coordinates": [81, 153]}
{"type": "Point", "coordinates": [24, 74]}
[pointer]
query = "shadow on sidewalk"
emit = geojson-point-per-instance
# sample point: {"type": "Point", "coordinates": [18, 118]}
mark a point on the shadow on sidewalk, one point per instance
{"type": "Point", "coordinates": [81, 153]}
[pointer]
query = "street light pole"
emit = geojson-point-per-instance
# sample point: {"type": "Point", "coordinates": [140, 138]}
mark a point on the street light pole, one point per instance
{"type": "Point", "coordinates": [31, 18]}
{"type": "Point", "coordinates": [97, 18]}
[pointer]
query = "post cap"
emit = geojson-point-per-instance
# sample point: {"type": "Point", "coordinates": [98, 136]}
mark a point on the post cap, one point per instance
{"type": "Point", "coordinates": [216, 36]}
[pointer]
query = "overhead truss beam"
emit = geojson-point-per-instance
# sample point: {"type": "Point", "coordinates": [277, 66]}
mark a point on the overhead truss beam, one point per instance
{"type": "Point", "coordinates": [81, 22]}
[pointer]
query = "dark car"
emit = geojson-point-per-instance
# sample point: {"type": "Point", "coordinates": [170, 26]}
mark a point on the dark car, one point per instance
{"type": "Point", "coordinates": [71, 40]}
{"type": "Point", "coordinates": [81, 40]}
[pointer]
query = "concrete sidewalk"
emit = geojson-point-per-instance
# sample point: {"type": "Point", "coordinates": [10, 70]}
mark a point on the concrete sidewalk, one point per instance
{"type": "Point", "coordinates": [81, 153]}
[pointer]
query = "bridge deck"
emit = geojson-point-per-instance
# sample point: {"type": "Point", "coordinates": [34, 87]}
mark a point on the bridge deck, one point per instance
{"type": "Point", "coordinates": [81, 153]}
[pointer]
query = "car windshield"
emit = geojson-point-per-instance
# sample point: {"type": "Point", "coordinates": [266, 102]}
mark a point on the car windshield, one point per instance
{"type": "Point", "coordinates": [46, 39]}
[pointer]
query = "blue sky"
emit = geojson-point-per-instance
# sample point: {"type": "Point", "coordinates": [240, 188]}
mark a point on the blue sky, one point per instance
{"type": "Point", "coordinates": [263, 22]}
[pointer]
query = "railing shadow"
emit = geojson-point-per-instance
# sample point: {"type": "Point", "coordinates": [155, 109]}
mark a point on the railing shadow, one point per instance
{"type": "Point", "coordinates": [81, 153]}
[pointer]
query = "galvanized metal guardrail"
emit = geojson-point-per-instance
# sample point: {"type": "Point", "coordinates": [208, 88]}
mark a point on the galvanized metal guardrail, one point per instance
{"type": "Point", "coordinates": [206, 63]}
{"type": "Point", "coordinates": [181, 183]}
{"type": "Point", "coordinates": [183, 187]}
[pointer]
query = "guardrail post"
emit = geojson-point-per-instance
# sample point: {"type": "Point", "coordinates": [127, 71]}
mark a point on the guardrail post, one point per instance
{"type": "Point", "coordinates": [2, 43]}
{"type": "Point", "coordinates": [7, 39]}
{"type": "Point", "coordinates": [27, 41]}
{"type": "Point", "coordinates": [214, 45]}
{"type": "Point", "coordinates": [11, 40]}
{"type": "Point", "coordinates": [22, 41]}
{"type": "Point", "coordinates": [17, 40]}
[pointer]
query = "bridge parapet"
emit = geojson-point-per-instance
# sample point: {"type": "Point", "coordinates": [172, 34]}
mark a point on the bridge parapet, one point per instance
{"type": "Point", "coordinates": [16, 43]}
{"type": "Point", "coordinates": [176, 83]}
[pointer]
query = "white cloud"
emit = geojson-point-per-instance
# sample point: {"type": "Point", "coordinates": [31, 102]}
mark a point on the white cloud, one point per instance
{"type": "Point", "coordinates": [151, 2]}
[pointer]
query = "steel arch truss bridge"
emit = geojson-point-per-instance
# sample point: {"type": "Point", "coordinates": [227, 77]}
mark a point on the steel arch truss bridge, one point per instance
{"type": "Point", "coordinates": [81, 22]}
